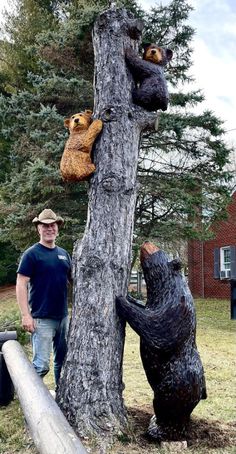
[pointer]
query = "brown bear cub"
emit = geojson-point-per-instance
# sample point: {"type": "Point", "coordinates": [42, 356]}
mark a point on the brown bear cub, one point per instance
{"type": "Point", "coordinates": [76, 163]}
{"type": "Point", "coordinates": [148, 73]}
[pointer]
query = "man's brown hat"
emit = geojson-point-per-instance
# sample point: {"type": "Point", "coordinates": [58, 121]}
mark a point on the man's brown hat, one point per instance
{"type": "Point", "coordinates": [48, 216]}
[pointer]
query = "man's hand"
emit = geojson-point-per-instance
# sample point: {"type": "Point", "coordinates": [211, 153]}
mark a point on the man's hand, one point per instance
{"type": "Point", "coordinates": [28, 323]}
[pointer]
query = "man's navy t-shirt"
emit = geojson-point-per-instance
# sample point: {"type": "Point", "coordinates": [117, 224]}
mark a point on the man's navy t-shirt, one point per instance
{"type": "Point", "coordinates": [49, 271]}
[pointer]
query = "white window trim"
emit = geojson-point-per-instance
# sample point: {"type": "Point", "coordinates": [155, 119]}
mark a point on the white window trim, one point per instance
{"type": "Point", "coordinates": [224, 272]}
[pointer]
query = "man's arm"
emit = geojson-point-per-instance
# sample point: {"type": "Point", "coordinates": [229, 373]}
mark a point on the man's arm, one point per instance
{"type": "Point", "coordinates": [22, 299]}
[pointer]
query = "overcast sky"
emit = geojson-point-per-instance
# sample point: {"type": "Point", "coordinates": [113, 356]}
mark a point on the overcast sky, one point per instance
{"type": "Point", "coordinates": [214, 55]}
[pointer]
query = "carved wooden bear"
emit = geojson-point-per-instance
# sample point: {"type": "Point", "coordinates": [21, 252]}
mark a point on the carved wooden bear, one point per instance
{"type": "Point", "coordinates": [151, 89]}
{"type": "Point", "coordinates": [76, 163]}
{"type": "Point", "coordinates": [167, 330]}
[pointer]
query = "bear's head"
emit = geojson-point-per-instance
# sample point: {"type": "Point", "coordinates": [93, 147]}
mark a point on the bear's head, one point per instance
{"type": "Point", "coordinates": [156, 54]}
{"type": "Point", "coordinates": [158, 270]}
{"type": "Point", "coordinates": [79, 122]}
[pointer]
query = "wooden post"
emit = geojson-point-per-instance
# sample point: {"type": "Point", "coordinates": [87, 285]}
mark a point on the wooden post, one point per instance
{"type": "Point", "coordinates": [48, 426]}
{"type": "Point", "coordinates": [139, 282]}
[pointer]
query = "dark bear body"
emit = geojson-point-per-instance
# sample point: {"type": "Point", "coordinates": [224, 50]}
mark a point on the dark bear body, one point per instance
{"type": "Point", "coordinates": [167, 330]}
{"type": "Point", "coordinates": [151, 89]}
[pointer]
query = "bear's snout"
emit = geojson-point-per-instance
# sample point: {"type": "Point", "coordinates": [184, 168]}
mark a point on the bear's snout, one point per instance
{"type": "Point", "coordinates": [147, 249]}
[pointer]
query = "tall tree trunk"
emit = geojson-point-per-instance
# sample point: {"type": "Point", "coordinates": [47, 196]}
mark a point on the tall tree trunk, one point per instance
{"type": "Point", "coordinates": [90, 391]}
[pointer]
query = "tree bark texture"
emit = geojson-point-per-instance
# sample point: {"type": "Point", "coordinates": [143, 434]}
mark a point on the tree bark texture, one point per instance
{"type": "Point", "coordinates": [90, 391]}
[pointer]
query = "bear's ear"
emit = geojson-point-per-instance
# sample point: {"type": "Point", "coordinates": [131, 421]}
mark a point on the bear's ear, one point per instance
{"type": "Point", "coordinates": [145, 48]}
{"type": "Point", "coordinates": [88, 113]}
{"type": "Point", "coordinates": [169, 54]}
{"type": "Point", "coordinates": [67, 122]}
{"type": "Point", "coordinates": [146, 45]}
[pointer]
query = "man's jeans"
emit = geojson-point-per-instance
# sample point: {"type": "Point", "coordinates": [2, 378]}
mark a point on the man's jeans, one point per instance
{"type": "Point", "coordinates": [49, 333]}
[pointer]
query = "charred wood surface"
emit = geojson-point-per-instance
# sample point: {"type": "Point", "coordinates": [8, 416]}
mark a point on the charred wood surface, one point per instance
{"type": "Point", "coordinates": [167, 330]}
{"type": "Point", "coordinates": [90, 391]}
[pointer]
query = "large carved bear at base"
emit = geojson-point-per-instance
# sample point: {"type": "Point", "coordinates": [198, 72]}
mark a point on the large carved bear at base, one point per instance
{"type": "Point", "coordinates": [167, 330]}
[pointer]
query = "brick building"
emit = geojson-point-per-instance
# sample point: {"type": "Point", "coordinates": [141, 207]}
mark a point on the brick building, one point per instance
{"type": "Point", "coordinates": [212, 263]}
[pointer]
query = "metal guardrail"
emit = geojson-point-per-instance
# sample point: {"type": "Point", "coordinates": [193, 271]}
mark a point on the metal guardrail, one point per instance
{"type": "Point", "coordinates": [7, 335]}
{"type": "Point", "coordinates": [6, 385]}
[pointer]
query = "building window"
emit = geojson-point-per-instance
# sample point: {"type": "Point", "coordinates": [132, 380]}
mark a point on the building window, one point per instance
{"type": "Point", "coordinates": [225, 262]}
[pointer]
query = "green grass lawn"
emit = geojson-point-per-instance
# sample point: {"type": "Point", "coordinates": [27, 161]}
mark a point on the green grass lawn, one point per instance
{"type": "Point", "coordinates": [213, 425]}
{"type": "Point", "coordinates": [216, 341]}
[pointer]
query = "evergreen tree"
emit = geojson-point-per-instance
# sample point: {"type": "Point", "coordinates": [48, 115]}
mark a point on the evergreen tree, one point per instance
{"type": "Point", "coordinates": [182, 165]}
{"type": "Point", "coordinates": [43, 82]}
{"type": "Point", "coordinates": [18, 56]}
{"type": "Point", "coordinates": [32, 120]}
{"type": "Point", "coordinates": [59, 82]}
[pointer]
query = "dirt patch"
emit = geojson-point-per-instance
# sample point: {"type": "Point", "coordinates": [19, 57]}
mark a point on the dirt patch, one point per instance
{"type": "Point", "coordinates": [211, 433]}
{"type": "Point", "coordinates": [207, 433]}
{"type": "Point", "coordinates": [8, 291]}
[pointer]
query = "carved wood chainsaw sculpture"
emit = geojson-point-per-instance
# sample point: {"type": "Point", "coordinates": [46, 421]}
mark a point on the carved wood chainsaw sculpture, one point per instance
{"type": "Point", "coordinates": [76, 163]}
{"type": "Point", "coordinates": [167, 330]}
{"type": "Point", "coordinates": [151, 89]}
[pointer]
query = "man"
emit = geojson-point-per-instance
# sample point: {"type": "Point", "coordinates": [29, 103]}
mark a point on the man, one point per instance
{"type": "Point", "coordinates": [41, 290]}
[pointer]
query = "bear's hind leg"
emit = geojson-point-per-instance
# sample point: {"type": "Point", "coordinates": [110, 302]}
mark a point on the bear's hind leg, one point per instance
{"type": "Point", "coordinates": [159, 430]}
{"type": "Point", "coordinates": [168, 424]}
{"type": "Point", "coordinates": [85, 171]}
{"type": "Point", "coordinates": [142, 98]}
